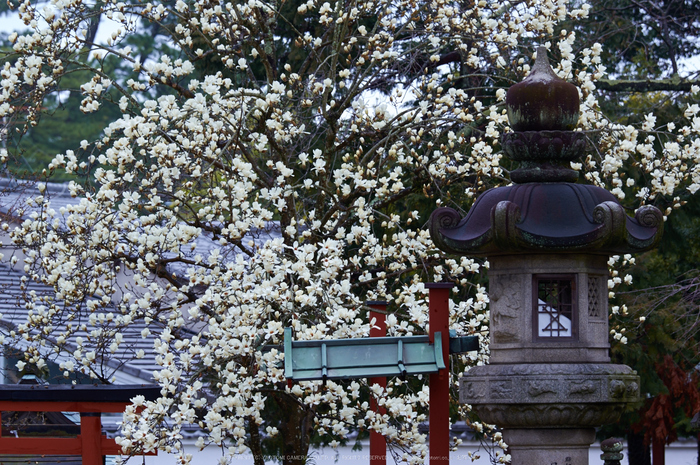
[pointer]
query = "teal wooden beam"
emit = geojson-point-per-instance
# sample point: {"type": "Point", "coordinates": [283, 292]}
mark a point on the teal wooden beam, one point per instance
{"type": "Point", "coordinates": [461, 344]}
{"type": "Point", "coordinates": [360, 358]}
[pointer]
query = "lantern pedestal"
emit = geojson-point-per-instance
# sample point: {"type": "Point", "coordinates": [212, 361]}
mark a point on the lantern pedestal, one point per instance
{"type": "Point", "coordinates": [549, 395]}
{"type": "Point", "coordinates": [549, 446]}
{"type": "Point", "coordinates": [548, 411]}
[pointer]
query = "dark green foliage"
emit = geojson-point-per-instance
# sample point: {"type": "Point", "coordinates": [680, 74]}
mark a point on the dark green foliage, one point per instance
{"type": "Point", "coordinates": [62, 129]}
{"type": "Point", "coordinates": [663, 333]}
{"type": "Point", "coordinates": [643, 39]}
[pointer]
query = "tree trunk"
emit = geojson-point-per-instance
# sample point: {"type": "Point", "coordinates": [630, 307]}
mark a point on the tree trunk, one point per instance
{"type": "Point", "coordinates": [295, 428]}
{"type": "Point", "coordinates": [297, 434]}
{"type": "Point", "coordinates": [620, 85]}
{"type": "Point", "coordinates": [255, 443]}
{"type": "Point", "coordinates": [637, 452]}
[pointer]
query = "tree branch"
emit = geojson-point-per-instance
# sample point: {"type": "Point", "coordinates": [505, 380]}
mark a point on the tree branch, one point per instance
{"type": "Point", "coordinates": [674, 84]}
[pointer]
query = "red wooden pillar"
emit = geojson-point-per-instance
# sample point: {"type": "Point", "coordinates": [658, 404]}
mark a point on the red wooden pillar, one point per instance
{"type": "Point", "coordinates": [657, 451]}
{"type": "Point", "coordinates": [91, 437]}
{"type": "Point", "coordinates": [439, 433]}
{"type": "Point", "coordinates": [377, 443]}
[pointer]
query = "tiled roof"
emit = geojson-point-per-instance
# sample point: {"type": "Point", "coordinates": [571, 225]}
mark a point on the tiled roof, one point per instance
{"type": "Point", "coordinates": [122, 364]}
{"type": "Point", "coordinates": [14, 197]}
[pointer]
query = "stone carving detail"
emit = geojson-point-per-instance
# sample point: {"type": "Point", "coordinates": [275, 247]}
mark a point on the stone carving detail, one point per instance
{"type": "Point", "coordinates": [613, 219]}
{"type": "Point", "coordinates": [474, 389]}
{"type": "Point", "coordinates": [549, 415]}
{"type": "Point", "coordinates": [443, 218]}
{"type": "Point", "coordinates": [501, 389]}
{"type": "Point", "coordinates": [617, 388]}
{"type": "Point", "coordinates": [573, 384]}
{"type": "Point", "coordinates": [633, 389]}
{"type": "Point", "coordinates": [505, 295]}
{"type": "Point", "coordinates": [620, 389]}
{"type": "Point", "coordinates": [649, 217]}
{"type": "Point", "coordinates": [537, 388]}
{"type": "Point", "coordinates": [595, 302]}
{"type": "Point", "coordinates": [582, 388]}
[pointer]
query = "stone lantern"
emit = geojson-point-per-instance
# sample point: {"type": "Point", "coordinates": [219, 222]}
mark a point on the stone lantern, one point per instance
{"type": "Point", "coordinates": [547, 239]}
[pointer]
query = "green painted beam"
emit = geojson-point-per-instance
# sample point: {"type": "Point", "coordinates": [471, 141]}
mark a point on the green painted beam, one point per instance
{"type": "Point", "coordinates": [461, 344]}
{"type": "Point", "coordinates": [360, 358]}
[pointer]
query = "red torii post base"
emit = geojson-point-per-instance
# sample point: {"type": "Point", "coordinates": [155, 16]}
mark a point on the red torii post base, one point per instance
{"type": "Point", "coordinates": [91, 444]}
{"type": "Point", "coordinates": [91, 438]}
{"type": "Point", "coordinates": [377, 443]}
{"type": "Point", "coordinates": [439, 319]}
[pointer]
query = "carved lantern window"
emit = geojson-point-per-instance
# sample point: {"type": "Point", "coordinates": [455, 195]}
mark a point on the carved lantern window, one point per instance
{"type": "Point", "coordinates": [554, 308]}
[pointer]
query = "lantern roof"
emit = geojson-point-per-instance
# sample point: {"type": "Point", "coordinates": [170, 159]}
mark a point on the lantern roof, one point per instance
{"type": "Point", "coordinates": [545, 209]}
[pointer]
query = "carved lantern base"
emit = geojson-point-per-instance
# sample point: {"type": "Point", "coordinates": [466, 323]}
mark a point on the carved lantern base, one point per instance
{"type": "Point", "coordinates": [548, 411]}
{"type": "Point", "coordinates": [549, 446]}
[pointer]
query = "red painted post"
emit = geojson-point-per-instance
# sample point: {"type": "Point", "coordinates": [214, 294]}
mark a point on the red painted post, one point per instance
{"type": "Point", "coordinates": [91, 437]}
{"type": "Point", "coordinates": [658, 456]}
{"type": "Point", "coordinates": [439, 318]}
{"type": "Point", "coordinates": [377, 443]}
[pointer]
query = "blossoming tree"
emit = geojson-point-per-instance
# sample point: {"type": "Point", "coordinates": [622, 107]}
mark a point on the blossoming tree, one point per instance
{"type": "Point", "coordinates": [332, 130]}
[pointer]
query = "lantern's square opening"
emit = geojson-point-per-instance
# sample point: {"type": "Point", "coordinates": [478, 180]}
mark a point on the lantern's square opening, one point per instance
{"type": "Point", "coordinates": [554, 308]}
